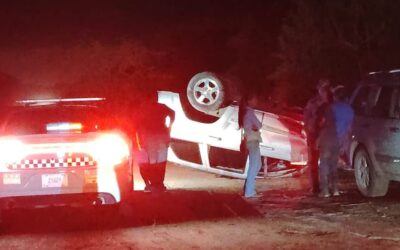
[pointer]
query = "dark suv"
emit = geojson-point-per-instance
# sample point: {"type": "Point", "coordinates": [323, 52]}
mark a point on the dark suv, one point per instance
{"type": "Point", "coordinates": [376, 140]}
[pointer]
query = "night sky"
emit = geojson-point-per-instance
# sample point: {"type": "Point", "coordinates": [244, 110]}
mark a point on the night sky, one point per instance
{"type": "Point", "coordinates": [229, 37]}
{"type": "Point", "coordinates": [43, 23]}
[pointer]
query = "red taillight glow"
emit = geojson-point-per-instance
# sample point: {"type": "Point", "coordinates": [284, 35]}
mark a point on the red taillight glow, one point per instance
{"type": "Point", "coordinates": [109, 149]}
{"type": "Point", "coordinates": [11, 150]}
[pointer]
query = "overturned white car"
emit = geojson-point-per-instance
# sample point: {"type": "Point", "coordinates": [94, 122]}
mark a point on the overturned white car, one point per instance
{"type": "Point", "coordinates": [212, 142]}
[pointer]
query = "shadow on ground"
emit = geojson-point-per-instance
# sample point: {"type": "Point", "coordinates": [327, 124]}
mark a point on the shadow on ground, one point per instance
{"type": "Point", "coordinates": [300, 201]}
{"type": "Point", "coordinates": [176, 206]}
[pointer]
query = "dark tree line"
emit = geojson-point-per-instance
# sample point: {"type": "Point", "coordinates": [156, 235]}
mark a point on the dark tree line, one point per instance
{"type": "Point", "coordinates": [341, 40]}
{"type": "Point", "coordinates": [337, 39]}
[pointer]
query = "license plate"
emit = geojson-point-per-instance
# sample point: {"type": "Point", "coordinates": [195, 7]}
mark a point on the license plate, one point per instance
{"type": "Point", "coordinates": [54, 180]}
{"type": "Point", "coordinates": [90, 176]}
{"type": "Point", "coordinates": [11, 179]}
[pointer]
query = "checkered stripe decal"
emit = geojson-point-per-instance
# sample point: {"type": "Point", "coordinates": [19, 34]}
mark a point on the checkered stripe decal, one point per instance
{"type": "Point", "coordinates": [67, 162]}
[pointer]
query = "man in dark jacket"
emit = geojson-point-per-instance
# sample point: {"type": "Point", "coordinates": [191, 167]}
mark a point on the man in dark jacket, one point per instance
{"type": "Point", "coordinates": [313, 115]}
{"type": "Point", "coordinates": [153, 137]}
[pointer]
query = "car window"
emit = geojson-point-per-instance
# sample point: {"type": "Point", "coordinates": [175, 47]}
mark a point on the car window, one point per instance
{"type": "Point", "coordinates": [383, 105]}
{"type": "Point", "coordinates": [360, 102]}
{"type": "Point", "coordinates": [395, 104]}
{"type": "Point", "coordinates": [366, 99]}
{"type": "Point", "coordinates": [36, 120]}
{"type": "Point", "coordinates": [373, 94]}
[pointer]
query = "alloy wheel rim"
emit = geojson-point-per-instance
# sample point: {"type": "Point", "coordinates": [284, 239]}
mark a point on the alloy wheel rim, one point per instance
{"type": "Point", "coordinates": [206, 91]}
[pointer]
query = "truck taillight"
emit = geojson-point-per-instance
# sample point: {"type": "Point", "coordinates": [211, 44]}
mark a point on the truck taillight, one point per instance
{"type": "Point", "coordinates": [11, 150]}
{"type": "Point", "coordinates": [110, 149]}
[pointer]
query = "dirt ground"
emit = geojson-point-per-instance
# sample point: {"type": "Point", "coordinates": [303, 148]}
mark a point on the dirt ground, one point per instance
{"type": "Point", "coordinates": [205, 211]}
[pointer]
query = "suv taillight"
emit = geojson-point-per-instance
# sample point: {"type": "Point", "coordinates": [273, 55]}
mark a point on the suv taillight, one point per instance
{"type": "Point", "coordinates": [11, 150]}
{"type": "Point", "coordinates": [107, 150]}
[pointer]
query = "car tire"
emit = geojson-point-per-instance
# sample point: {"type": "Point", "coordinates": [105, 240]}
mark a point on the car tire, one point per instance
{"type": "Point", "coordinates": [205, 92]}
{"type": "Point", "coordinates": [369, 183]}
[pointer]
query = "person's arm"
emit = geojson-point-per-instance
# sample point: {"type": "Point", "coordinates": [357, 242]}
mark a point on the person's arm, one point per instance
{"type": "Point", "coordinates": [307, 117]}
{"type": "Point", "coordinates": [350, 125]}
{"type": "Point", "coordinates": [256, 123]}
{"type": "Point", "coordinates": [327, 116]}
{"type": "Point", "coordinates": [250, 121]}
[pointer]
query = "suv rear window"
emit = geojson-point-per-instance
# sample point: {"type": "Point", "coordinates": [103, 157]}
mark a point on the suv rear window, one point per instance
{"type": "Point", "coordinates": [35, 120]}
{"type": "Point", "coordinates": [383, 105]}
{"type": "Point", "coordinates": [361, 100]}
{"type": "Point", "coordinates": [366, 99]}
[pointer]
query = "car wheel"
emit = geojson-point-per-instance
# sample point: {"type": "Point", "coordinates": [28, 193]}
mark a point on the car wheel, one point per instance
{"type": "Point", "coordinates": [205, 92]}
{"type": "Point", "coordinates": [369, 183]}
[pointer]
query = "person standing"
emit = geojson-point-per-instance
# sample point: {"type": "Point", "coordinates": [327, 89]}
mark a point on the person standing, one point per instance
{"type": "Point", "coordinates": [251, 127]}
{"type": "Point", "coordinates": [153, 138]}
{"type": "Point", "coordinates": [338, 120]}
{"type": "Point", "coordinates": [313, 115]}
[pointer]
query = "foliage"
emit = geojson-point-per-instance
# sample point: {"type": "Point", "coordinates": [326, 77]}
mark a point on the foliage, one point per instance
{"type": "Point", "coordinates": [9, 87]}
{"type": "Point", "coordinates": [341, 40]}
{"type": "Point", "coordinates": [124, 72]}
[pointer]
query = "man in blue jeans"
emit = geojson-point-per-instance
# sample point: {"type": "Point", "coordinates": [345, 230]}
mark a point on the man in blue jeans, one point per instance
{"type": "Point", "coordinates": [338, 120]}
{"type": "Point", "coordinates": [251, 126]}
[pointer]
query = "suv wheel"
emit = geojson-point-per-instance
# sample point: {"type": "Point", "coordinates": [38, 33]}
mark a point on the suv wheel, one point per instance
{"type": "Point", "coordinates": [205, 92]}
{"type": "Point", "coordinates": [369, 183]}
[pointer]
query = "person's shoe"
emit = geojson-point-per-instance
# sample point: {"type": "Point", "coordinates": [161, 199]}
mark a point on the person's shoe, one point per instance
{"type": "Point", "coordinates": [254, 196]}
{"type": "Point", "coordinates": [313, 192]}
{"type": "Point", "coordinates": [336, 193]}
{"type": "Point", "coordinates": [147, 189]}
{"type": "Point", "coordinates": [323, 194]}
{"type": "Point", "coordinates": [160, 188]}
